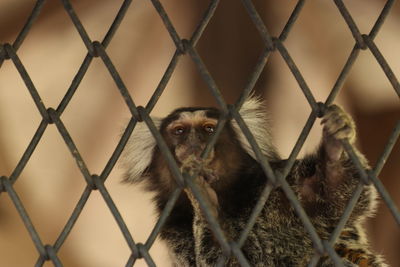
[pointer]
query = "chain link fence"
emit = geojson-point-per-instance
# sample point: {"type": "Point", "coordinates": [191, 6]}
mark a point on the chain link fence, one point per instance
{"type": "Point", "coordinates": [272, 44]}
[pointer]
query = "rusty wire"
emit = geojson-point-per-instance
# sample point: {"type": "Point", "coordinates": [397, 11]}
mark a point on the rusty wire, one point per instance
{"type": "Point", "coordinates": [47, 252]}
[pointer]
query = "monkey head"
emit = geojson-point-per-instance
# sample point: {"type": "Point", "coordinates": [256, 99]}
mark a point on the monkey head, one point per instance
{"type": "Point", "coordinates": [186, 132]}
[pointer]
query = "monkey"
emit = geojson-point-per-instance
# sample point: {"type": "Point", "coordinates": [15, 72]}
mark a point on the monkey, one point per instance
{"type": "Point", "coordinates": [232, 179]}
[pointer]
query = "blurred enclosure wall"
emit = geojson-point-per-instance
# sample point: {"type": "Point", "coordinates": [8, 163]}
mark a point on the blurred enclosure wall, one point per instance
{"type": "Point", "coordinates": [50, 185]}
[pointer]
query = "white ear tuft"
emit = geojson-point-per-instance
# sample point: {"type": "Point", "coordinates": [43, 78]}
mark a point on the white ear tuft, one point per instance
{"type": "Point", "coordinates": [255, 116]}
{"type": "Point", "coordinates": [138, 152]}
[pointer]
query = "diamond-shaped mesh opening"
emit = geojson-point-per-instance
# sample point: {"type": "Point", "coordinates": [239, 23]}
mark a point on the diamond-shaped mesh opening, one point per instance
{"type": "Point", "coordinates": [186, 45]}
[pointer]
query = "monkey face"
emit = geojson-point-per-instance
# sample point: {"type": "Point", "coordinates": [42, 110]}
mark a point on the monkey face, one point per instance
{"type": "Point", "coordinates": [188, 131]}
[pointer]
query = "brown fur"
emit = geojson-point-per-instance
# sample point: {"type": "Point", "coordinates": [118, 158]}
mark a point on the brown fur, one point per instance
{"type": "Point", "coordinates": [232, 180]}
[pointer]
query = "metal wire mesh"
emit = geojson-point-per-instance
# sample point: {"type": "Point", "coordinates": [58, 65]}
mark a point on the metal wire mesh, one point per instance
{"type": "Point", "coordinates": [50, 115]}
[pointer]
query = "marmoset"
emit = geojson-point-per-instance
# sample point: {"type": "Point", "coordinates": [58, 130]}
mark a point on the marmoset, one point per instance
{"type": "Point", "coordinates": [232, 180]}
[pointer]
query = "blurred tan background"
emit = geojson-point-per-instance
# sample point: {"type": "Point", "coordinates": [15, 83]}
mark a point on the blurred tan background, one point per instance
{"type": "Point", "coordinates": [51, 184]}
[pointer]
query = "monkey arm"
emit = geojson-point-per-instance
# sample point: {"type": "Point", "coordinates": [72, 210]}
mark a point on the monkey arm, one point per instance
{"type": "Point", "coordinates": [327, 189]}
{"type": "Point", "coordinates": [207, 249]}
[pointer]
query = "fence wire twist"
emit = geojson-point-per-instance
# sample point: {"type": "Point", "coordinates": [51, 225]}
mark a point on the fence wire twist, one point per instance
{"type": "Point", "coordinates": [272, 44]}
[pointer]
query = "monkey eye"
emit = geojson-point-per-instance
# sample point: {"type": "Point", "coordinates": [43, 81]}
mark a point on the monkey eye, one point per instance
{"type": "Point", "coordinates": [178, 130]}
{"type": "Point", "coordinates": [209, 128]}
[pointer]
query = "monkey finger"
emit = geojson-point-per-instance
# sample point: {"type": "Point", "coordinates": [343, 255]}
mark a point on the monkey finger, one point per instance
{"type": "Point", "coordinates": [334, 124]}
{"type": "Point", "coordinates": [331, 112]}
{"type": "Point", "coordinates": [346, 132]}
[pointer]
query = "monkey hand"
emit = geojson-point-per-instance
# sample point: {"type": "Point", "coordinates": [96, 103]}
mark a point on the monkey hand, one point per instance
{"type": "Point", "coordinates": [194, 165]}
{"type": "Point", "coordinates": [338, 126]}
